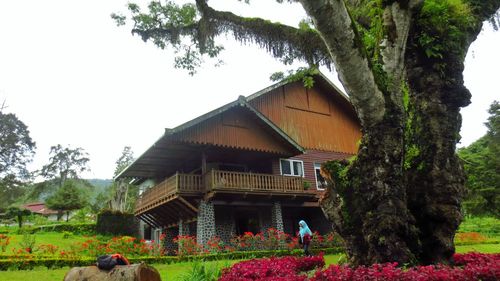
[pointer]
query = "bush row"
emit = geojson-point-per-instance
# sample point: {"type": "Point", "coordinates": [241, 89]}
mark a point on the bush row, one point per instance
{"type": "Point", "coordinates": [471, 266]}
{"type": "Point", "coordinates": [77, 228]}
{"type": "Point", "coordinates": [30, 261]}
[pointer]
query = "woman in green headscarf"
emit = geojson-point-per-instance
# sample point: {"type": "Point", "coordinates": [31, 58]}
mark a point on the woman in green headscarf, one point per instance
{"type": "Point", "coordinates": [305, 236]}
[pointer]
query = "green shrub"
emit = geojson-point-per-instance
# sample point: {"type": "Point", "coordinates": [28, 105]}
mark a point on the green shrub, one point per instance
{"type": "Point", "coordinates": [76, 228]}
{"type": "Point", "coordinates": [201, 272]}
{"type": "Point", "coordinates": [67, 234]}
{"type": "Point", "coordinates": [117, 223]}
{"type": "Point", "coordinates": [28, 242]}
{"type": "Point", "coordinates": [28, 261]}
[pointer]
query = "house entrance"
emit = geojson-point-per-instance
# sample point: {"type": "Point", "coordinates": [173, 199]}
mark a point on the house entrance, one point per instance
{"type": "Point", "coordinates": [247, 222]}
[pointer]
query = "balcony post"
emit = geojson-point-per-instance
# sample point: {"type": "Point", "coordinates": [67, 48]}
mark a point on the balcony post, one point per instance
{"type": "Point", "coordinates": [276, 216]}
{"type": "Point", "coordinates": [205, 225]}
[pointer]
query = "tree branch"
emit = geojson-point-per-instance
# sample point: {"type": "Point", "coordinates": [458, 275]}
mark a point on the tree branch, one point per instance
{"type": "Point", "coordinates": [337, 30]}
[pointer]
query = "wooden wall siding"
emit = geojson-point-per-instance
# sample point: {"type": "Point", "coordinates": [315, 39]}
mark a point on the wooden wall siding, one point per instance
{"type": "Point", "coordinates": [235, 128]}
{"type": "Point", "coordinates": [309, 158]}
{"type": "Point", "coordinates": [311, 117]}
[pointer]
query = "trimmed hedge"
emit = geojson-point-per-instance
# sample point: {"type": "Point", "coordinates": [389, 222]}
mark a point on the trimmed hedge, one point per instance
{"type": "Point", "coordinates": [30, 262]}
{"type": "Point", "coordinates": [117, 223]}
{"type": "Point", "coordinates": [76, 228]}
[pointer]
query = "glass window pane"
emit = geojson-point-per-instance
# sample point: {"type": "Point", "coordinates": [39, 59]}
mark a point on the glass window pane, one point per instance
{"type": "Point", "coordinates": [297, 168]}
{"type": "Point", "coordinates": [321, 182]}
{"type": "Point", "coordinates": [285, 167]}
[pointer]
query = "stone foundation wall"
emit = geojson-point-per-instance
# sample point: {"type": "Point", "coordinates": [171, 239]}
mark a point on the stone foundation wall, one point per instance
{"type": "Point", "coordinates": [205, 224]}
{"type": "Point", "coordinates": [224, 223]}
{"type": "Point", "coordinates": [276, 216]}
{"type": "Point", "coordinates": [168, 243]}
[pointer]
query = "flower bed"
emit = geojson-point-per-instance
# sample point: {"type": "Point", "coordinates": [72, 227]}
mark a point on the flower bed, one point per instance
{"type": "Point", "coordinates": [271, 239]}
{"type": "Point", "coordinates": [471, 266]}
{"type": "Point", "coordinates": [29, 261]}
{"type": "Point", "coordinates": [287, 268]}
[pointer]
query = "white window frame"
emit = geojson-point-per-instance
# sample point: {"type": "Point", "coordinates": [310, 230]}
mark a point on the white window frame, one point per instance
{"type": "Point", "coordinates": [290, 161]}
{"type": "Point", "coordinates": [317, 166]}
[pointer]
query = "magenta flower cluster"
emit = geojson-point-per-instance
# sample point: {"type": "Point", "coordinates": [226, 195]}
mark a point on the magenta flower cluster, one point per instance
{"type": "Point", "coordinates": [471, 266]}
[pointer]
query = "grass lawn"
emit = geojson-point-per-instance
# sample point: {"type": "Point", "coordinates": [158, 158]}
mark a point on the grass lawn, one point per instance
{"type": "Point", "coordinates": [168, 272]}
{"type": "Point", "coordinates": [482, 248]}
{"type": "Point", "coordinates": [54, 238]}
{"type": "Point", "coordinates": [172, 272]}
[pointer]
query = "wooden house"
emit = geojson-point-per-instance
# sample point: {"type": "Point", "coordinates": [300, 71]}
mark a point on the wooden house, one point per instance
{"type": "Point", "coordinates": [249, 165]}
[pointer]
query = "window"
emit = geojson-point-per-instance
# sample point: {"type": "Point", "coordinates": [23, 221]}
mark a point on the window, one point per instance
{"type": "Point", "coordinates": [292, 167]}
{"type": "Point", "coordinates": [320, 181]}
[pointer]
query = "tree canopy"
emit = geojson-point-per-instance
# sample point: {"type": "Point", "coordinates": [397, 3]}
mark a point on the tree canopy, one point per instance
{"type": "Point", "coordinates": [401, 64]}
{"type": "Point", "coordinates": [124, 194]}
{"type": "Point", "coordinates": [66, 198]}
{"type": "Point", "coordinates": [482, 166]}
{"type": "Point", "coordinates": [16, 150]}
{"type": "Point", "coordinates": [65, 162]}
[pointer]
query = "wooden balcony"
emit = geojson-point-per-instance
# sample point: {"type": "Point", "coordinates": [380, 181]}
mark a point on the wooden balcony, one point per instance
{"type": "Point", "coordinates": [251, 182]}
{"type": "Point", "coordinates": [178, 189]}
{"type": "Point", "coordinates": [171, 188]}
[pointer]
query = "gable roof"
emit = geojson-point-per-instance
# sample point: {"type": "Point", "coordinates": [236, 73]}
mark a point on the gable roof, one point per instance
{"type": "Point", "coordinates": [144, 166]}
{"type": "Point", "coordinates": [146, 158]}
{"type": "Point", "coordinates": [39, 208]}
{"type": "Point", "coordinates": [318, 78]}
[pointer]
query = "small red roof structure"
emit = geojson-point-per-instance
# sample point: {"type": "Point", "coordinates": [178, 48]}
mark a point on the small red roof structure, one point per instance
{"type": "Point", "coordinates": [39, 208]}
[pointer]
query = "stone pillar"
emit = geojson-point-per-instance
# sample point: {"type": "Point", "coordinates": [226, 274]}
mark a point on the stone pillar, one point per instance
{"type": "Point", "coordinates": [183, 228]}
{"type": "Point", "coordinates": [205, 224]}
{"type": "Point", "coordinates": [170, 234]}
{"type": "Point", "coordinates": [276, 216]}
{"type": "Point", "coordinates": [226, 227]}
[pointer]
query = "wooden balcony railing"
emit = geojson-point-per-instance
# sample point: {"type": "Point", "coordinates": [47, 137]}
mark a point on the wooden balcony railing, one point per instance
{"type": "Point", "coordinates": [223, 180]}
{"type": "Point", "coordinates": [178, 183]}
{"type": "Point", "coordinates": [187, 184]}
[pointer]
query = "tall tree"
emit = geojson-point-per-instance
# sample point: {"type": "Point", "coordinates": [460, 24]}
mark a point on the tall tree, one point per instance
{"type": "Point", "coordinates": [66, 199]}
{"type": "Point", "coordinates": [401, 64]}
{"type": "Point", "coordinates": [482, 166]}
{"type": "Point", "coordinates": [16, 150]}
{"type": "Point", "coordinates": [64, 163]}
{"type": "Point", "coordinates": [121, 187]}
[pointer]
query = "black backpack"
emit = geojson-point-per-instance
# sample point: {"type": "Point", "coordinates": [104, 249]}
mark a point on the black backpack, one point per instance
{"type": "Point", "coordinates": [107, 262]}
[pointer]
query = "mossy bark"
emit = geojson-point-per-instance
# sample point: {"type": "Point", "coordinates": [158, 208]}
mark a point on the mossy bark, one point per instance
{"type": "Point", "coordinates": [436, 178]}
{"type": "Point", "coordinates": [371, 212]}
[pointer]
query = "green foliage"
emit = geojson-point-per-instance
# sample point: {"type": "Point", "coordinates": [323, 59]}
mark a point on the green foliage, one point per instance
{"type": "Point", "coordinates": [65, 162]}
{"type": "Point", "coordinates": [28, 242]}
{"type": "Point", "coordinates": [368, 19]}
{"type": "Point", "coordinates": [481, 163]}
{"type": "Point", "coordinates": [18, 214]}
{"type": "Point", "coordinates": [123, 194]}
{"type": "Point", "coordinates": [117, 223]}
{"type": "Point", "coordinates": [124, 160]}
{"type": "Point", "coordinates": [201, 272]}
{"type": "Point", "coordinates": [67, 198]}
{"type": "Point", "coordinates": [338, 172]}
{"type": "Point", "coordinates": [307, 185]}
{"type": "Point", "coordinates": [303, 74]}
{"type": "Point", "coordinates": [443, 25]}
{"type": "Point", "coordinates": [17, 149]}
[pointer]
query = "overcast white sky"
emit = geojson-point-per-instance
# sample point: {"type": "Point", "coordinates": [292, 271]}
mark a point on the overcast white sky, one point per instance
{"type": "Point", "coordinates": [76, 79]}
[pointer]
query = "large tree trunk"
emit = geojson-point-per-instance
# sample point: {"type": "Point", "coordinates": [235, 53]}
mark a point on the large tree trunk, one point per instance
{"type": "Point", "coordinates": [370, 211]}
{"type": "Point", "coordinates": [135, 272]}
{"type": "Point", "coordinates": [435, 177]}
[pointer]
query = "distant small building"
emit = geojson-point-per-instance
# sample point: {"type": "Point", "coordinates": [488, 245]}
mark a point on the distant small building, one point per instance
{"type": "Point", "coordinates": [40, 209]}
